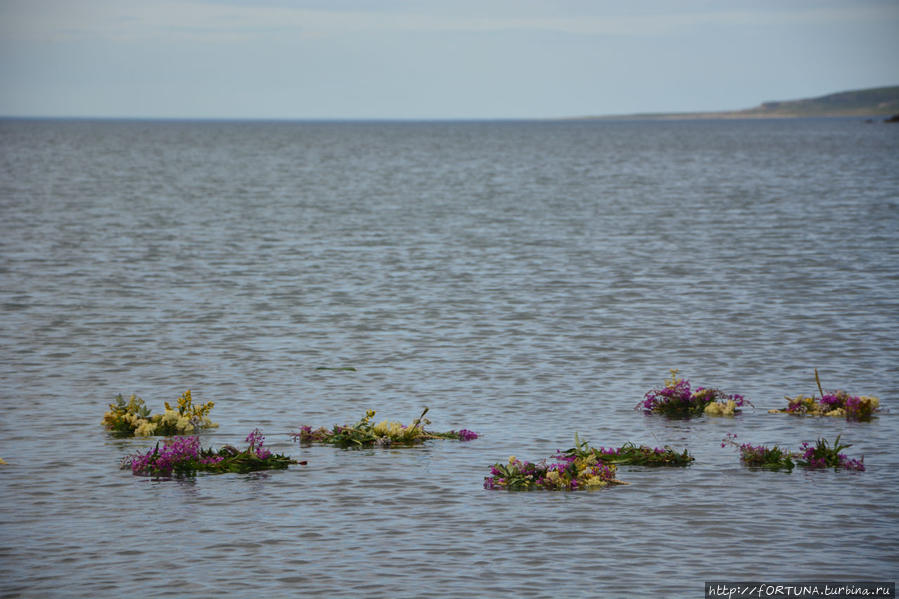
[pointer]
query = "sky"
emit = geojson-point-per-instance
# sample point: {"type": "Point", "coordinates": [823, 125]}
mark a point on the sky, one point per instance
{"type": "Point", "coordinates": [428, 59]}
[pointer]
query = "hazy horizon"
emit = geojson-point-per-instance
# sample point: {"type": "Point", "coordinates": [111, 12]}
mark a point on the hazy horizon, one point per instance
{"type": "Point", "coordinates": [406, 60]}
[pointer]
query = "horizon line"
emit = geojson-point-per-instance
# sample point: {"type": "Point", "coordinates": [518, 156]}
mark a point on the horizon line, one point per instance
{"type": "Point", "coordinates": [644, 116]}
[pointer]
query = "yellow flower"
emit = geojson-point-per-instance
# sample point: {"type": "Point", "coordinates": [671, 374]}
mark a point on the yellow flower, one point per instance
{"type": "Point", "coordinates": [512, 459]}
{"type": "Point", "coordinates": [721, 409]}
{"type": "Point", "coordinates": [594, 482]}
{"type": "Point", "coordinates": [386, 428]}
{"type": "Point", "coordinates": [110, 419]}
{"type": "Point", "coordinates": [146, 429]}
{"type": "Point", "coordinates": [201, 411]}
{"type": "Point", "coordinates": [673, 381]}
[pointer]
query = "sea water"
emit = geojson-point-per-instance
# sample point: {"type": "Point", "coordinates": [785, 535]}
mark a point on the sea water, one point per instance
{"type": "Point", "coordinates": [526, 280]}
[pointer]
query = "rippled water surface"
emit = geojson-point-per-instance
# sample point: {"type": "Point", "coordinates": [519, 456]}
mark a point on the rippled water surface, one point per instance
{"type": "Point", "coordinates": [524, 280]}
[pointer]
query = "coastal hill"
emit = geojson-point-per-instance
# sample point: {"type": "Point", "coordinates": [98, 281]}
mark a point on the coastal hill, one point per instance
{"type": "Point", "coordinates": [876, 102]}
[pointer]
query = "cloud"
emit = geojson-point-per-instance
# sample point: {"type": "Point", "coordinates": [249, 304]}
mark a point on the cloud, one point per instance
{"type": "Point", "coordinates": [130, 20]}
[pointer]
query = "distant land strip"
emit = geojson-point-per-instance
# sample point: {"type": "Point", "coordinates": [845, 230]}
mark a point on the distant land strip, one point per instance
{"type": "Point", "coordinates": [867, 103]}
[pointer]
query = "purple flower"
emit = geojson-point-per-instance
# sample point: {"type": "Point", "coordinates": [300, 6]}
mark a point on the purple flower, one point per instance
{"type": "Point", "coordinates": [831, 401]}
{"type": "Point", "coordinates": [177, 452]}
{"type": "Point", "coordinates": [467, 435]}
{"type": "Point", "coordinates": [852, 464]}
{"type": "Point", "coordinates": [256, 440]}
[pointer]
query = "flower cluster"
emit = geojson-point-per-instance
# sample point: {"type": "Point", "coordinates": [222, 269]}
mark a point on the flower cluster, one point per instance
{"type": "Point", "coordinates": [183, 456]}
{"type": "Point", "coordinates": [133, 418]}
{"type": "Point", "coordinates": [178, 457]}
{"type": "Point", "coordinates": [759, 456]}
{"type": "Point", "coordinates": [385, 433]}
{"type": "Point", "coordinates": [581, 467]}
{"type": "Point", "coordinates": [465, 434]}
{"type": "Point", "coordinates": [257, 441]}
{"type": "Point", "coordinates": [821, 455]}
{"type": "Point", "coordinates": [838, 403]}
{"type": "Point", "coordinates": [678, 400]}
{"type": "Point", "coordinates": [125, 418]}
{"type": "Point", "coordinates": [640, 455]}
{"type": "Point", "coordinates": [566, 473]}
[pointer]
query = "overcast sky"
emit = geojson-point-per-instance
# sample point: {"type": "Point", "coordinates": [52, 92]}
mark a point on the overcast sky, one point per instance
{"type": "Point", "coordinates": [423, 59]}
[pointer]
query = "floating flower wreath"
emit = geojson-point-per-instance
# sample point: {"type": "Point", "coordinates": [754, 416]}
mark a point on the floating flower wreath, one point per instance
{"type": "Point", "coordinates": [677, 400]}
{"type": "Point", "coordinates": [581, 467]}
{"type": "Point", "coordinates": [183, 456]}
{"type": "Point", "coordinates": [813, 457]}
{"type": "Point", "coordinates": [133, 418]}
{"type": "Point", "coordinates": [566, 473]}
{"type": "Point", "coordinates": [838, 403]}
{"type": "Point", "coordinates": [385, 433]}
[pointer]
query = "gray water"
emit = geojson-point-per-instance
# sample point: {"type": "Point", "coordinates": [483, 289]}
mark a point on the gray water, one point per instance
{"type": "Point", "coordinates": [524, 280]}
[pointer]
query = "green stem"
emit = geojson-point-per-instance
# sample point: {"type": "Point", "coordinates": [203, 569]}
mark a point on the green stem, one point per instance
{"type": "Point", "coordinates": [818, 380]}
{"type": "Point", "coordinates": [418, 420]}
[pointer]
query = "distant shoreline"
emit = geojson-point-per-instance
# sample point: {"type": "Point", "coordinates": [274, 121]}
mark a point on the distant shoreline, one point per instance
{"type": "Point", "coordinates": [724, 116]}
{"type": "Point", "coordinates": [866, 103]}
{"type": "Point", "coordinates": [876, 104]}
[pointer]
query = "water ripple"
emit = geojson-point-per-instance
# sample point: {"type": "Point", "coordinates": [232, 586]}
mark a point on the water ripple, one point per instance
{"type": "Point", "coordinates": [525, 280]}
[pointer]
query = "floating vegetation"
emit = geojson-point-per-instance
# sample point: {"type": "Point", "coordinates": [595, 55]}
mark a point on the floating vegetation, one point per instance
{"type": "Point", "coordinates": [385, 433]}
{"type": "Point", "coordinates": [677, 400]}
{"type": "Point", "coordinates": [812, 457]}
{"type": "Point", "coordinates": [822, 455]}
{"type": "Point", "coordinates": [838, 403]}
{"type": "Point", "coordinates": [760, 456]}
{"type": "Point", "coordinates": [183, 456]}
{"type": "Point", "coordinates": [578, 468]}
{"type": "Point", "coordinates": [630, 454]}
{"type": "Point", "coordinates": [337, 368]}
{"type": "Point", "coordinates": [133, 418]}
